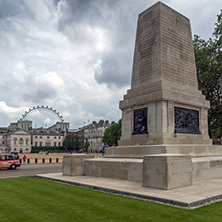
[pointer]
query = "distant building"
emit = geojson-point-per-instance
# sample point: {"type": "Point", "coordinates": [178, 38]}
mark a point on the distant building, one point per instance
{"type": "Point", "coordinates": [78, 139]}
{"type": "Point", "coordinates": [24, 124]}
{"type": "Point", "coordinates": [18, 140]}
{"type": "Point", "coordinates": [21, 137]}
{"type": "Point", "coordinates": [94, 133]}
{"type": "Point", "coordinates": [59, 127]}
{"type": "Point", "coordinates": [4, 129]}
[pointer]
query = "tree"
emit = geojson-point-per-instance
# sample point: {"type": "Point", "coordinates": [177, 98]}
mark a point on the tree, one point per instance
{"type": "Point", "coordinates": [112, 134]}
{"type": "Point", "coordinates": [70, 142]}
{"type": "Point", "coordinates": [86, 146]}
{"type": "Point", "coordinates": [208, 56]}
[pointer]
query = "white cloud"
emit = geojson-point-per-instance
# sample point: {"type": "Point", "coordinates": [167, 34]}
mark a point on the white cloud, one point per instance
{"type": "Point", "coordinates": [9, 113]}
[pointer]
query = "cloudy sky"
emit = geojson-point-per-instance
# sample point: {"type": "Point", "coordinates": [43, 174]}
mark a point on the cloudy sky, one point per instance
{"type": "Point", "coordinates": [75, 55]}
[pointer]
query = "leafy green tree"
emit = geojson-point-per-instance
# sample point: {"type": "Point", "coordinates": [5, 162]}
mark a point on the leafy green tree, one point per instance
{"type": "Point", "coordinates": [208, 56]}
{"type": "Point", "coordinates": [70, 142]}
{"type": "Point", "coordinates": [86, 145]}
{"type": "Point", "coordinates": [112, 134]}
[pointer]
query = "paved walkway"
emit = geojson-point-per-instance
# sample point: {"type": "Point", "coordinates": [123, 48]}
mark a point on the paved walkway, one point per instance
{"type": "Point", "coordinates": [191, 197]}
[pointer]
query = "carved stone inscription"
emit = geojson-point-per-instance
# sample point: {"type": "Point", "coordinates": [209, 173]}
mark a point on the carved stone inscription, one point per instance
{"type": "Point", "coordinates": [186, 121]}
{"type": "Point", "coordinates": [140, 121]}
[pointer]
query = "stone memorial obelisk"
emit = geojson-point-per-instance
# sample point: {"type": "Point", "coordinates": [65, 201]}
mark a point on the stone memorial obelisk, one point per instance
{"type": "Point", "coordinates": [164, 142]}
{"type": "Point", "coordinates": [164, 105]}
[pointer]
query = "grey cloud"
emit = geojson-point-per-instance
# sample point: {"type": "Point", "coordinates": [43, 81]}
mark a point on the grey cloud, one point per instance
{"type": "Point", "coordinates": [39, 94]}
{"type": "Point", "coordinates": [119, 25]}
{"type": "Point", "coordinates": [12, 8]}
{"type": "Point", "coordinates": [84, 11]}
{"type": "Point", "coordinates": [115, 70]}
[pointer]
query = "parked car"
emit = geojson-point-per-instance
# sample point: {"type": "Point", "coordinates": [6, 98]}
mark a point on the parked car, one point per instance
{"type": "Point", "coordinates": [9, 161]}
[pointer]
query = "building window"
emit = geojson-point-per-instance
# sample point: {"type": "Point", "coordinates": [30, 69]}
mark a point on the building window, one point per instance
{"type": "Point", "coordinates": [26, 142]}
{"type": "Point", "coordinates": [36, 143]}
{"type": "Point", "coordinates": [40, 143]}
{"type": "Point", "coordinates": [40, 137]}
{"type": "Point", "coordinates": [27, 149]}
{"type": "Point", "coordinates": [54, 143]}
{"type": "Point", "coordinates": [14, 142]}
{"type": "Point", "coordinates": [36, 137]}
{"type": "Point", "coordinates": [54, 137]}
{"type": "Point", "coordinates": [47, 137]}
{"type": "Point", "coordinates": [21, 141]}
{"type": "Point", "coordinates": [15, 149]}
{"type": "Point", "coordinates": [48, 144]}
{"type": "Point", "coordinates": [59, 144]}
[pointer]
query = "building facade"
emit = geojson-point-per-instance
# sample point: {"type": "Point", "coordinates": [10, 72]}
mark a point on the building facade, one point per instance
{"type": "Point", "coordinates": [16, 141]}
{"type": "Point", "coordinates": [21, 137]}
{"type": "Point", "coordinates": [94, 133]}
{"type": "Point", "coordinates": [77, 138]}
{"type": "Point", "coordinates": [47, 139]}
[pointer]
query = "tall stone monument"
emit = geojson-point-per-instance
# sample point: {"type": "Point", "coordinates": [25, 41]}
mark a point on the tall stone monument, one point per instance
{"type": "Point", "coordinates": [164, 105]}
{"type": "Point", "coordinates": [164, 142]}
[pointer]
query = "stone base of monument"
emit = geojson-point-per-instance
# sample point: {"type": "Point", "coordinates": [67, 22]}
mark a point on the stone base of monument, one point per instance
{"type": "Point", "coordinates": [116, 168]}
{"type": "Point", "coordinates": [73, 164]}
{"type": "Point", "coordinates": [167, 171]}
{"type": "Point", "coordinates": [164, 140]}
{"type": "Point", "coordinates": [161, 171]}
{"type": "Point", "coordinates": [139, 151]}
{"type": "Point", "coordinates": [205, 168]}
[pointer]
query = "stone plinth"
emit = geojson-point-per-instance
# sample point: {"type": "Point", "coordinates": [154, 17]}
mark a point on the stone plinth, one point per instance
{"type": "Point", "coordinates": [167, 171]}
{"type": "Point", "coordinates": [139, 151]}
{"type": "Point", "coordinates": [73, 164]}
{"type": "Point", "coordinates": [124, 169]}
{"type": "Point", "coordinates": [206, 168]}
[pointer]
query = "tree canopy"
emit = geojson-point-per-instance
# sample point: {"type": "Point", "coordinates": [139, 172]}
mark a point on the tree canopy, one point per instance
{"type": "Point", "coordinates": [70, 142]}
{"type": "Point", "coordinates": [86, 145]}
{"type": "Point", "coordinates": [208, 56]}
{"type": "Point", "coordinates": [112, 134]}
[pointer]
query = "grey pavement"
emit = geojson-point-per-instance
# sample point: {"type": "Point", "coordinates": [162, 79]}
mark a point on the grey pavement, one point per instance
{"type": "Point", "coordinates": [191, 197]}
{"type": "Point", "coordinates": [31, 170]}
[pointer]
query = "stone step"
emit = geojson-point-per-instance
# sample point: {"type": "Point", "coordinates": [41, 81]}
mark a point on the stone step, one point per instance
{"type": "Point", "coordinates": [142, 150]}
{"type": "Point", "coordinates": [205, 168]}
{"type": "Point", "coordinates": [116, 168]}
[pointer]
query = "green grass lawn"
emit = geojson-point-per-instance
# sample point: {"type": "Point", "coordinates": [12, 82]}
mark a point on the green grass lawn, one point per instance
{"type": "Point", "coordinates": [33, 199]}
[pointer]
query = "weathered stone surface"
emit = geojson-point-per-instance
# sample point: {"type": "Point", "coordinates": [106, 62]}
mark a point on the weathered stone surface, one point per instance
{"type": "Point", "coordinates": [164, 48]}
{"type": "Point", "coordinates": [138, 151]}
{"type": "Point", "coordinates": [73, 164]}
{"type": "Point", "coordinates": [206, 168]}
{"type": "Point", "coordinates": [167, 171]}
{"type": "Point", "coordinates": [125, 169]}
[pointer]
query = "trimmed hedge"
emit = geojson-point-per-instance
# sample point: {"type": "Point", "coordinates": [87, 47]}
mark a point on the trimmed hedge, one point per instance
{"type": "Point", "coordinates": [37, 149]}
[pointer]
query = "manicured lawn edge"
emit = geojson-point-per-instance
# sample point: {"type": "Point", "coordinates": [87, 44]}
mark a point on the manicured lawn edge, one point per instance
{"type": "Point", "coordinates": [34, 199]}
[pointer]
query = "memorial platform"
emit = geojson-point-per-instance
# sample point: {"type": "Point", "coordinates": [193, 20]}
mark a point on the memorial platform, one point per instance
{"type": "Point", "coordinates": [164, 141]}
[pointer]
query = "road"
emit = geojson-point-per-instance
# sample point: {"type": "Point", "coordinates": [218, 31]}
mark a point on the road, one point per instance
{"type": "Point", "coordinates": [31, 170]}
